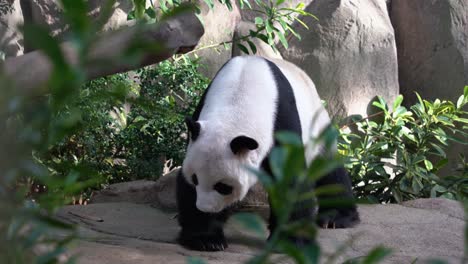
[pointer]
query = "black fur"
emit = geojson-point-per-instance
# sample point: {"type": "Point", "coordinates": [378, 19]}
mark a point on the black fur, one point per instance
{"type": "Point", "coordinates": [338, 210]}
{"type": "Point", "coordinates": [200, 231]}
{"type": "Point", "coordinates": [204, 231]}
{"type": "Point", "coordinates": [193, 128]}
{"type": "Point", "coordinates": [287, 119]}
{"type": "Point", "coordinates": [242, 143]}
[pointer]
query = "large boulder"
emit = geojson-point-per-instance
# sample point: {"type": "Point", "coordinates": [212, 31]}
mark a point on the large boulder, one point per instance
{"type": "Point", "coordinates": [11, 39]}
{"type": "Point", "coordinates": [432, 42]}
{"type": "Point", "coordinates": [349, 53]}
{"type": "Point", "coordinates": [220, 24]}
{"type": "Point", "coordinates": [161, 194]}
{"type": "Point", "coordinates": [49, 14]}
{"type": "Point", "coordinates": [132, 233]}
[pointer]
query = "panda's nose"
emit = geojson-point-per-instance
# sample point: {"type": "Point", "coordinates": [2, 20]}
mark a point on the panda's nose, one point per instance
{"type": "Point", "coordinates": [209, 203]}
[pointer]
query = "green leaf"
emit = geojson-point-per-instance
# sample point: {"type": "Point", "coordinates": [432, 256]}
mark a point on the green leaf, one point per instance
{"type": "Point", "coordinates": [292, 251]}
{"type": "Point", "coordinates": [440, 151]}
{"type": "Point", "coordinates": [277, 160]}
{"type": "Point", "coordinates": [247, 3]}
{"type": "Point", "coordinates": [288, 138]}
{"type": "Point", "coordinates": [301, 22]}
{"type": "Point", "coordinates": [139, 6]}
{"type": "Point", "coordinates": [39, 38]}
{"type": "Point", "coordinates": [268, 26]}
{"type": "Point", "coordinates": [262, 176]}
{"type": "Point", "coordinates": [252, 46]}
{"type": "Point", "coordinates": [293, 32]}
{"type": "Point", "coordinates": [75, 12]}
{"type": "Point", "coordinates": [428, 164]}
{"type": "Point", "coordinates": [258, 21]}
{"type": "Point", "coordinates": [243, 48]}
{"type": "Point", "coordinates": [376, 255]}
{"type": "Point", "coordinates": [251, 222]}
{"type": "Point", "coordinates": [262, 37]}
{"type": "Point", "coordinates": [397, 102]}
{"type": "Point", "coordinates": [279, 2]}
{"type": "Point", "coordinates": [282, 39]}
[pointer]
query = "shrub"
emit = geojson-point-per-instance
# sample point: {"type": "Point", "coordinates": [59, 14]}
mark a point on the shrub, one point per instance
{"type": "Point", "coordinates": [128, 131]}
{"type": "Point", "coordinates": [395, 156]}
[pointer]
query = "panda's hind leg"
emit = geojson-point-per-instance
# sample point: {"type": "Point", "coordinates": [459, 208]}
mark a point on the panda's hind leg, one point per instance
{"type": "Point", "coordinates": [200, 231]}
{"type": "Point", "coordinates": [304, 210]}
{"type": "Point", "coordinates": [337, 210]}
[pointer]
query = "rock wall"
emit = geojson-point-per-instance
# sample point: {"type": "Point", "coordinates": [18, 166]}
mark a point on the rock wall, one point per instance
{"type": "Point", "coordinates": [49, 14]}
{"type": "Point", "coordinates": [220, 24]}
{"type": "Point", "coordinates": [432, 42]}
{"type": "Point", "coordinates": [349, 52]}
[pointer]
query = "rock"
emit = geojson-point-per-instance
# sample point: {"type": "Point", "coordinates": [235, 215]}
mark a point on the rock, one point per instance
{"type": "Point", "coordinates": [164, 191]}
{"type": "Point", "coordinates": [49, 13]}
{"type": "Point", "coordinates": [219, 24]}
{"type": "Point", "coordinates": [442, 205]}
{"type": "Point", "coordinates": [349, 53]}
{"type": "Point", "coordinates": [249, 15]}
{"type": "Point", "coordinates": [11, 39]}
{"type": "Point", "coordinates": [432, 42]}
{"type": "Point", "coordinates": [162, 194]}
{"type": "Point", "coordinates": [130, 233]}
{"type": "Point", "coordinates": [139, 192]}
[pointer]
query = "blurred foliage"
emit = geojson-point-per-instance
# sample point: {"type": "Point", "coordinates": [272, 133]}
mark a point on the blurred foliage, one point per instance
{"type": "Point", "coordinates": [131, 126]}
{"type": "Point", "coordinates": [396, 156]}
{"type": "Point", "coordinates": [287, 186]}
{"type": "Point", "coordinates": [37, 175]}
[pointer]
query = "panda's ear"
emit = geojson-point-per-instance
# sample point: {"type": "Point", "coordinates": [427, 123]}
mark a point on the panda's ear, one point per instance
{"type": "Point", "coordinates": [243, 143]}
{"type": "Point", "coordinates": [193, 127]}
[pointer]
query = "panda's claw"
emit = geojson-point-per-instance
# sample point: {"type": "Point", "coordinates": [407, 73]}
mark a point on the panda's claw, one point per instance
{"type": "Point", "coordinates": [334, 219]}
{"type": "Point", "coordinates": [203, 241]}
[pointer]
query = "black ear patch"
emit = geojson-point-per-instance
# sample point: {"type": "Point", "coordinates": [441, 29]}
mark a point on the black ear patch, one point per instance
{"type": "Point", "coordinates": [193, 127]}
{"type": "Point", "coordinates": [243, 143]}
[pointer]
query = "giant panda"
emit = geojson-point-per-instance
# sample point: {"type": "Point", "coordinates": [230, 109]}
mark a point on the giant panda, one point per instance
{"type": "Point", "coordinates": [233, 127]}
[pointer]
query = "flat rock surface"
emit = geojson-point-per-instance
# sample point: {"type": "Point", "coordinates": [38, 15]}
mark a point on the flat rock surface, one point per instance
{"type": "Point", "coordinates": [138, 233]}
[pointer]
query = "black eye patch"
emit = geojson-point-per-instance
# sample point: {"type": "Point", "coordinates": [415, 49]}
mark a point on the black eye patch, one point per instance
{"type": "Point", "coordinates": [195, 179]}
{"type": "Point", "coordinates": [222, 188]}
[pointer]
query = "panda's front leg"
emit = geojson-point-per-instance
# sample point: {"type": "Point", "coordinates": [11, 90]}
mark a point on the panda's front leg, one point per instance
{"type": "Point", "coordinates": [200, 231]}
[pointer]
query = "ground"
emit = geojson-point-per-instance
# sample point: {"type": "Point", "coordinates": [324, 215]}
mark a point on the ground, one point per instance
{"type": "Point", "coordinates": [121, 232]}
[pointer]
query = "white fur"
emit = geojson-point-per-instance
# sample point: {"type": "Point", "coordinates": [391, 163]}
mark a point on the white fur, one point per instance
{"type": "Point", "coordinates": [242, 101]}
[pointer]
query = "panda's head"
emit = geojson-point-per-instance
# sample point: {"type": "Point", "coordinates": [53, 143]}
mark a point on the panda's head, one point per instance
{"type": "Point", "coordinates": [216, 166]}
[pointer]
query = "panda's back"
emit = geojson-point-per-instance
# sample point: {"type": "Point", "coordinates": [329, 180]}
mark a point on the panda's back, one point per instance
{"type": "Point", "coordinates": [243, 99]}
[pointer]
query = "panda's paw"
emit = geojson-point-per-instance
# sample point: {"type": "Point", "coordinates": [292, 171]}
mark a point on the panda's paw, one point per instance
{"type": "Point", "coordinates": [203, 241]}
{"type": "Point", "coordinates": [336, 218]}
